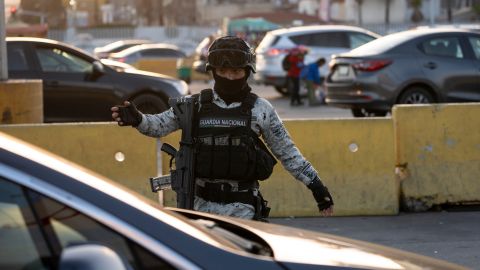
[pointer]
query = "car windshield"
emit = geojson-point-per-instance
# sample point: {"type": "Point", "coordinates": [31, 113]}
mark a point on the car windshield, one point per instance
{"type": "Point", "coordinates": [382, 44]}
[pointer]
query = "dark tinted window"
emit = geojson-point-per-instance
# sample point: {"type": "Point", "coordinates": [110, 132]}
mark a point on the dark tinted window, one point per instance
{"type": "Point", "coordinates": [72, 227]}
{"type": "Point", "coordinates": [123, 47]}
{"type": "Point", "coordinates": [445, 46]}
{"type": "Point", "coordinates": [475, 42]}
{"type": "Point", "coordinates": [21, 243]}
{"type": "Point", "coordinates": [326, 39]}
{"type": "Point", "coordinates": [17, 61]}
{"type": "Point", "coordinates": [56, 60]}
{"type": "Point", "coordinates": [161, 53]}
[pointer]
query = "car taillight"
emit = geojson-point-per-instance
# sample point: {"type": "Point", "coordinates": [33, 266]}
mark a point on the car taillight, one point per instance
{"type": "Point", "coordinates": [275, 51]}
{"type": "Point", "coordinates": [372, 65]}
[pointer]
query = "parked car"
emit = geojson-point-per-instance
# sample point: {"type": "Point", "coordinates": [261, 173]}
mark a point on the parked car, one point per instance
{"type": "Point", "coordinates": [78, 87]}
{"type": "Point", "coordinates": [320, 40]}
{"type": "Point", "coordinates": [117, 46]}
{"type": "Point", "coordinates": [55, 213]}
{"type": "Point", "coordinates": [413, 66]}
{"type": "Point", "coordinates": [158, 57]}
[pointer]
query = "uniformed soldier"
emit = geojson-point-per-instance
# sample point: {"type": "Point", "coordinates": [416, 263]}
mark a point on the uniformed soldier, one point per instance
{"type": "Point", "coordinates": [231, 158]}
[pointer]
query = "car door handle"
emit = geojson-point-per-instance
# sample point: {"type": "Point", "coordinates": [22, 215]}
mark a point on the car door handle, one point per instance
{"type": "Point", "coordinates": [52, 83]}
{"type": "Point", "coordinates": [430, 65]}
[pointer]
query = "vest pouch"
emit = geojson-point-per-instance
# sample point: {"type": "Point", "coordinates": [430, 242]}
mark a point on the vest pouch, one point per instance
{"type": "Point", "coordinates": [221, 157]}
{"type": "Point", "coordinates": [264, 161]}
{"type": "Point", "coordinates": [241, 168]}
{"type": "Point", "coordinates": [204, 157]}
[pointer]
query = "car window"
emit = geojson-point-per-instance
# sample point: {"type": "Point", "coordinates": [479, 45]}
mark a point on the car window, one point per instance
{"type": "Point", "coordinates": [17, 61]}
{"type": "Point", "coordinates": [56, 60]}
{"type": "Point", "coordinates": [21, 244]}
{"type": "Point", "coordinates": [161, 53]}
{"type": "Point", "coordinates": [358, 39]}
{"type": "Point", "coordinates": [268, 41]}
{"type": "Point", "coordinates": [326, 39]}
{"type": "Point", "coordinates": [72, 227]}
{"type": "Point", "coordinates": [122, 47]}
{"type": "Point", "coordinates": [445, 46]}
{"type": "Point", "coordinates": [475, 42]}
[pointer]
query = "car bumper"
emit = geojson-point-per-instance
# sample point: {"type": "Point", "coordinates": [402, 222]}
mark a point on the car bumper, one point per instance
{"type": "Point", "coordinates": [354, 95]}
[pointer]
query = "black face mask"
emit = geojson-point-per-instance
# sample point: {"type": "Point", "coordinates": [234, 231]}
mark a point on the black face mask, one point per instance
{"type": "Point", "coordinates": [231, 90]}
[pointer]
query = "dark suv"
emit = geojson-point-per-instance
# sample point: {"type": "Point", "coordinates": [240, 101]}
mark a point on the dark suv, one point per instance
{"type": "Point", "coordinates": [414, 66]}
{"type": "Point", "coordinates": [78, 87]}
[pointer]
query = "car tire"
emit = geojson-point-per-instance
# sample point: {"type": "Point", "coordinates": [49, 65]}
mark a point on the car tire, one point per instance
{"type": "Point", "coordinates": [282, 90]}
{"type": "Point", "coordinates": [361, 112]}
{"type": "Point", "coordinates": [416, 95]}
{"type": "Point", "coordinates": [149, 104]}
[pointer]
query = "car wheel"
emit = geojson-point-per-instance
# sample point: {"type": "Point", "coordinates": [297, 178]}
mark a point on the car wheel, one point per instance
{"type": "Point", "coordinates": [150, 104]}
{"type": "Point", "coordinates": [416, 95]}
{"type": "Point", "coordinates": [282, 90]}
{"type": "Point", "coordinates": [361, 112]}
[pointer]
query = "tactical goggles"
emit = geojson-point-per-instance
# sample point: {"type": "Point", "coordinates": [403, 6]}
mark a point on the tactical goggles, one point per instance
{"type": "Point", "coordinates": [230, 58]}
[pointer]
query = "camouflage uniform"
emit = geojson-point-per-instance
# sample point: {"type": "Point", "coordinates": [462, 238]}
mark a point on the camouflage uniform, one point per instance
{"type": "Point", "coordinates": [265, 122]}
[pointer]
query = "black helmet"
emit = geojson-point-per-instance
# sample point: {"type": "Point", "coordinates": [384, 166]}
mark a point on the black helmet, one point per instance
{"type": "Point", "coordinates": [230, 51]}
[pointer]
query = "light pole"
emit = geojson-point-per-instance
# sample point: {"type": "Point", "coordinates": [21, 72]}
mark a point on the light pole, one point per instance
{"type": "Point", "coordinates": [3, 44]}
{"type": "Point", "coordinates": [71, 21]}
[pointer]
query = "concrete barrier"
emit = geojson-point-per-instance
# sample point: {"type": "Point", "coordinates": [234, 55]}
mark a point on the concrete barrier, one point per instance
{"type": "Point", "coordinates": [355, 159]}
{"type": "Point", "coordinates": [21, 101]}
{"type": "Point", "coordinates": [122, 154]}
{"type": "Point", "coordinates": [438, 153]}
{"type": "Point", "coordinates": [435, 148]}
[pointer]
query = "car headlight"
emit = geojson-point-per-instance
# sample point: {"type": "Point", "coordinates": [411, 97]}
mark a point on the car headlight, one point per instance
{"type": "Point", "coordinates": [181, 86]}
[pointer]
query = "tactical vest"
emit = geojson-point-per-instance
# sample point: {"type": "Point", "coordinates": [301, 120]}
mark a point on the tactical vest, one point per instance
{"type": "Point", "coordinates": [226, 146]}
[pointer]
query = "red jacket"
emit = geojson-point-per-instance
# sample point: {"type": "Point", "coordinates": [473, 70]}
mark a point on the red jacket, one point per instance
{"type": "Point", "coordinates": [296, 64]}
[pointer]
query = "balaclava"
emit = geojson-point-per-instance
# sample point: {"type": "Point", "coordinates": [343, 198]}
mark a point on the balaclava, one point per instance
{"type": "Point", "coordinates": [232, 90]}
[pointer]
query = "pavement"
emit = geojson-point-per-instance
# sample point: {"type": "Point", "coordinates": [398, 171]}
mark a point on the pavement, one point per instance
{"type": "Point", "coordinates": [452, 236]}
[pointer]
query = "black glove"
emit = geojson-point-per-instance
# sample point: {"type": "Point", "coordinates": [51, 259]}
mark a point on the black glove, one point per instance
{"type": "Point", "coordinates": [321, 194]}
{"type": "Point", "coordinates": [129, 115]}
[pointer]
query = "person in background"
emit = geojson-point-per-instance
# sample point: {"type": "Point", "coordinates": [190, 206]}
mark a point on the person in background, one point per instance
{"type": "Point", "coordinates": [295, 64]}
{"type": "Point", "coordinates": [310, 74]}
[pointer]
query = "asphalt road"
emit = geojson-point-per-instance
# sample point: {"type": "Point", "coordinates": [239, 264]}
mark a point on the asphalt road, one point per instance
{"type": "Point", "coordinates": [450, 236]}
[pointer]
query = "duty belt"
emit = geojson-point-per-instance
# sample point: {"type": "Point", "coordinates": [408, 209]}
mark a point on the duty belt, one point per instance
{"type": "Point", "coordinates": [221, 193]}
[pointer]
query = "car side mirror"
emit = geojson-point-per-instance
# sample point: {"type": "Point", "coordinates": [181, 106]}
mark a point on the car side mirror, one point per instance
{"type": "Point", "coordinates": [98, 68]}
{"type": "Point", "coordinates": [90, 257]}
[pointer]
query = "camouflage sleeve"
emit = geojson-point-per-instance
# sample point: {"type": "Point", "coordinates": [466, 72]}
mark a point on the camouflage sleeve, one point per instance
{"type": "Point", "coordinates": [158, 125]}
{"type": "Point", "coordinates": [280, 143]}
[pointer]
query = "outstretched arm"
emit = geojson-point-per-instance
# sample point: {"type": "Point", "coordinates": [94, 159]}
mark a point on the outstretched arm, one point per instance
{"type": "Point", "coordinates": [282, 146]}
{"type": "Point", "coordinates": [153, 125]}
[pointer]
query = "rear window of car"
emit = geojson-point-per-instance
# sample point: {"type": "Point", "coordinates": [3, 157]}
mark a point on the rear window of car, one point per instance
{"type": "Point", "coordinates": [161, 53]}
{"type": "Point", "coordinates": [268, 41]}
{"type": "Point", "coordinates": [381, 45]}
{"type": "Point", "coordinates": [325, 39]}
{"type": "Point", "coordinates": [358, 39]}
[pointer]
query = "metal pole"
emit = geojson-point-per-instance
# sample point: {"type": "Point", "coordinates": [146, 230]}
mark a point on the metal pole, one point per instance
{"type": "Point", "coordinates": [3, 44]}
{"type": "Point", "coordinates": [432, 15]}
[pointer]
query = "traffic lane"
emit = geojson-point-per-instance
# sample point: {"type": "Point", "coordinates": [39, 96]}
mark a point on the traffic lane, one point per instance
{"type": "Point", "coordinates": [282, 104]}
{"type": "Point", "coordinates": [450, 236]}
